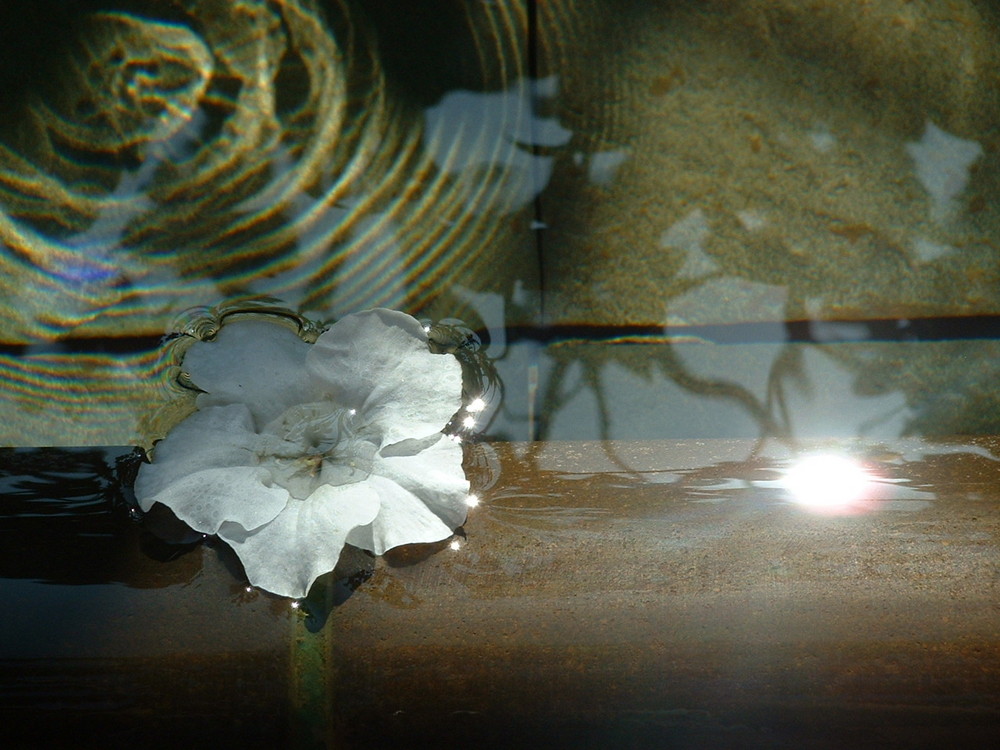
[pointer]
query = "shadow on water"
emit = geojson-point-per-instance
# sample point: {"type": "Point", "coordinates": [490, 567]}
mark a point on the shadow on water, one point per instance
{"type": "Point", "coordinates": [64, 519]}
{"type": "Point", "coordinates": [333, 589]}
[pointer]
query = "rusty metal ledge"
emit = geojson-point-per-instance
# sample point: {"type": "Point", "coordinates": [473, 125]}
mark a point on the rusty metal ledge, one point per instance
{"type": "Point", "coordinates": [665, 594]}
{"type": "Point", "coordinates": [653, 594]}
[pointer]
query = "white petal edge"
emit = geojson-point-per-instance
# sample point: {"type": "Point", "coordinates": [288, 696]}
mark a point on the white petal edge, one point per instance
{"type": "Point", "coordinates": [305, 540]}
{"type": "Point", "coordinates": [403, 518]}
{"type": "Point", "coordinates": [212, 438]}
{"type": "Point", "coordinates": [435, 475]}
{"type": "Point", "coordinates": [378, 363]}
{"type": "Point", "coordinates": [207, 499]}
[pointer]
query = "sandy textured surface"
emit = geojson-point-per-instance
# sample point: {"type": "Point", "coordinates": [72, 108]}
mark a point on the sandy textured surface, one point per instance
{"type": "Point", "coordinates": [750, 160]}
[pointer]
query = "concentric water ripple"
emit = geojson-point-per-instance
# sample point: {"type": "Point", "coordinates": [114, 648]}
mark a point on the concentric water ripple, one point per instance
{"type": "Point", "coordinates": [74, 399]}
{"type": "Point", "coordinates": [237, 148]}
{"type": "Point", "coordinates": [250, 149]}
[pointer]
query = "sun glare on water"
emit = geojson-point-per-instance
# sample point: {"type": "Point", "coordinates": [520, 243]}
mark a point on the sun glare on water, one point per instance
{"type": "Point", "coordinates": [828, 483]}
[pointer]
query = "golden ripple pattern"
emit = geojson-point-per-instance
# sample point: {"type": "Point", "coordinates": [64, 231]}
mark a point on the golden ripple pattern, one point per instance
{"type": "Point", "coordinates": [234, 148]}
{"type": "Point", "coordinates": [167, 158]}
{"type": "Point", "coordinates": [76, 399]}
{"type": "Point", "coordinates": [249, 147]}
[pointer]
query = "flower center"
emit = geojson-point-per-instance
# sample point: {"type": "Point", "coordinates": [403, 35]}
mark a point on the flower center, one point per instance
{"type": "Point", "coordinates": [313, 444]}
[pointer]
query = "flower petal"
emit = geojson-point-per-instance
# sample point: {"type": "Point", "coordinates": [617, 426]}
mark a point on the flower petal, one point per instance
{"type": "Point", "coordinates": [402, 519]}
{"type": "Point", "coordinates": [378, 363]}
{"type": "Point", "coordinates": [206, 499]}
{"type": "Point", "coordinates": [304, 540]}
{"type": "Point", "coordinates": [422, 497]}
{"type": "Point", "coordinates": [216, 437]}
{"type": "Point", "coordinates": [257, 363]}
{"type": "Point", "coordinates": [435, 475]}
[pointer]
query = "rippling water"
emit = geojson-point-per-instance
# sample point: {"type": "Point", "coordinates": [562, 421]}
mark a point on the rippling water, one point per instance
{"type": "Point", "coordinates": [697, 239]}
{"type": "Point", "coordinates": [566, 164]}
{"type": "Point", "coordinates": [235, 148]}
{"type": "Point", "coordinates": [181, 154]}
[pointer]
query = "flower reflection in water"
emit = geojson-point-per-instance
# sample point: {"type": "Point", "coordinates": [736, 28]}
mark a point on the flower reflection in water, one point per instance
{"type": "Point", "coordinates": [297, 449]}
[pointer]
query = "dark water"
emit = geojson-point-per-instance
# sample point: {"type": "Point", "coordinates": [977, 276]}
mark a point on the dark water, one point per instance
{"type": "Point", "coordinates": [112, 634]}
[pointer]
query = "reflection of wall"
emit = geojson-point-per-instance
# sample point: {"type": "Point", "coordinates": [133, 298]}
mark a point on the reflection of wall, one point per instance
{"type": "Point", "coordinates": [738, 161]}
{"type": "Point", "coordinates": [672, 164]}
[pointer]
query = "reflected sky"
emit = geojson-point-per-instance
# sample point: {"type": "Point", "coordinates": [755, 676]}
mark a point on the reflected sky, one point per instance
{"type": "Point", "coordinates": [613, 389]}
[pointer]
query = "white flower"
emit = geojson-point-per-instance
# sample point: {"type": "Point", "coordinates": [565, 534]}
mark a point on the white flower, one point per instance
{"type": "Point", "coordinates": [297, 449]}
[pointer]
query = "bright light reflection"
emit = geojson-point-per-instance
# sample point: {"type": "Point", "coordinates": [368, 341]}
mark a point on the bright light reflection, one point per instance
{"type": "Point", "coordinates": [476, 405]}
{"type": "Point", "coordinates": [827, 482]}
{"type": "Point", "coordinates": [472, 501]}
{"type": "Point", "coordinates": [469, 422]}
{"type": "Point", "coordinates": [455, 544]}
